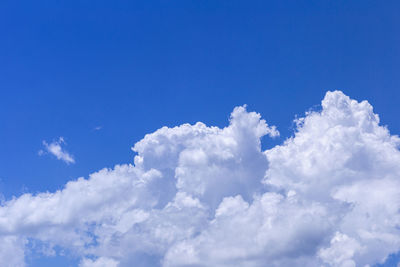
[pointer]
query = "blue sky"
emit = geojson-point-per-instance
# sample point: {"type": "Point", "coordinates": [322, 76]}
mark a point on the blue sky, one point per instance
{"type": "Point", "coordinates": [102, 74]}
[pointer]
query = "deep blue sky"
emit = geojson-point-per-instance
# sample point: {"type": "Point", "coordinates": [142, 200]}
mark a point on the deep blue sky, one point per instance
{"type": "Point", "coordinates": [131, 67]}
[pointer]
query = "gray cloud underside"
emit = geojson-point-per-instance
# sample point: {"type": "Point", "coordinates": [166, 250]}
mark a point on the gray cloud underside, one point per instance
{"type": "Point", "coordinates": [205, 196]}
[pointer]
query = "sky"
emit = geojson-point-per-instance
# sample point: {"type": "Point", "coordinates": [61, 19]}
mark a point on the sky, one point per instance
{"type": "Point", "coordinates": [83, 82]}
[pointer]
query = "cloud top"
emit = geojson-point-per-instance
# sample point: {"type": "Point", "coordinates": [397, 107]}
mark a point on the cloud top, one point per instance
{"type": "Point", "coordinates": [209, 196]}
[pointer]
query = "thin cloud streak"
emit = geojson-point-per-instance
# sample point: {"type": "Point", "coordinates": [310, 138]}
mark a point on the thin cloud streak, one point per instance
{"type": "Point", "coordinates": [55, 148]}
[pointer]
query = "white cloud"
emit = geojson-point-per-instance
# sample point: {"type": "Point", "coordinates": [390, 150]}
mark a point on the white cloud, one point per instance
{"type": "Point", "coordinates": [206, 196]}
{"type": "Point", "coordinates": [12, 251]}
{"type": "Point", "coordinates": [55, 149]}
{"type": "Point", "coordinates": [341, 251]}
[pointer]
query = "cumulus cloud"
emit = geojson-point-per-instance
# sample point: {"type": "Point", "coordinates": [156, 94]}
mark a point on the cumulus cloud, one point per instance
{"type": "Point", "coordinates": [55, 149]}
{"type": "Point", "coordinates": [205, 196]}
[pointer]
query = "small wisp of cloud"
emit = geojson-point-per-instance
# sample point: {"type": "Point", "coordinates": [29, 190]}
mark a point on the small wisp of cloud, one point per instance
{"type": "Point", "coordinates": [55, 148]}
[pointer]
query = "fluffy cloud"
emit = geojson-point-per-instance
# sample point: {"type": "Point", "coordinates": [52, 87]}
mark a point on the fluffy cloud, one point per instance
{"type": "Point", "coordinates": [12, 251]}
{"type": "Point", "coordinates": [205, 196]}
{"type": "Point", "coordinates": [55, 149]}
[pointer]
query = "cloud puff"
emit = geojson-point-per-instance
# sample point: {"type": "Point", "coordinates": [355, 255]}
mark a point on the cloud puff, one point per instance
{"type": "Point", "coordinates": [206, 196]}
{"type": "Point", "coordinates": [55, 149]}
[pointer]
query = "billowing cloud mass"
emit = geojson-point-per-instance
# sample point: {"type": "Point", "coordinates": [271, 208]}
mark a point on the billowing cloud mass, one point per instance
{"type": "Point", "coordinates": [56, 150]}
{"type": "Point", "coordinates": [205, 196]}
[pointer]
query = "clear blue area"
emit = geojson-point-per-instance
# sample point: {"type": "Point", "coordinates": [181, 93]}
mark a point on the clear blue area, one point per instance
{"type": "Point", "coordinates": [131, 67]}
